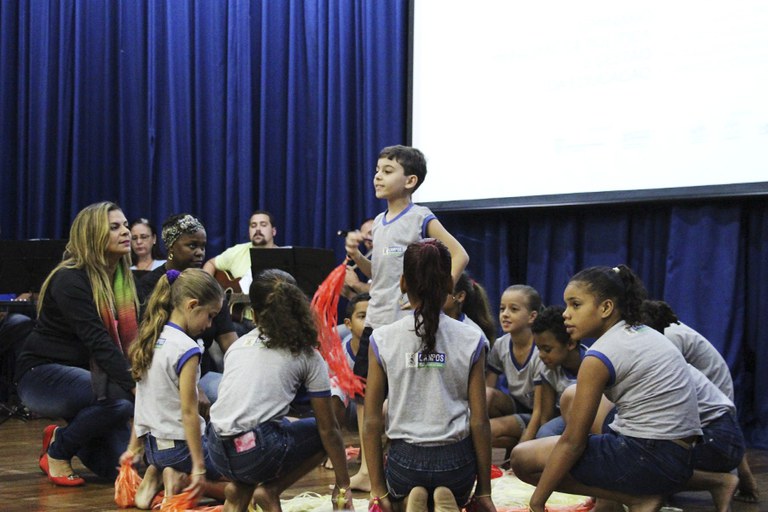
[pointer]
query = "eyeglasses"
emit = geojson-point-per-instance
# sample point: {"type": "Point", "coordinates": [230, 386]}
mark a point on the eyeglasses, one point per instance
{"type": "Point", "coordinates": [143, 237]}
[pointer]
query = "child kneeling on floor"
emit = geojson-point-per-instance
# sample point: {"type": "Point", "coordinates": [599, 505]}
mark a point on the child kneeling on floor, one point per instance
{"type": "Point", "coordinates": [431, 368]}
{"type": "Point", "coordinates": [251, 440]}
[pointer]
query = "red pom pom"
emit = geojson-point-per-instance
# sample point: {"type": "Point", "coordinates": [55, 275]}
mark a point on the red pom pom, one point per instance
{"type": "Point", "coordinates": [325, 304]}
{"type": "Point", "coordinates": [126, 484]}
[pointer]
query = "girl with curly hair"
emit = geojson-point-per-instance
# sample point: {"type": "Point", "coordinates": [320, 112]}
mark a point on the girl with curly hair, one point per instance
{"type": "Point", "coordinates": [250, 439]}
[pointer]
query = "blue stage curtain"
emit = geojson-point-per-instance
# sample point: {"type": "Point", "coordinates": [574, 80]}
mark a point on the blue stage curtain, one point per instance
{"type": "Point", "coordinates": [709, 261]}
{"type": "Point", "coordinates": [211, 107]}
{"type": "Point", "coordinates": [219, 107]}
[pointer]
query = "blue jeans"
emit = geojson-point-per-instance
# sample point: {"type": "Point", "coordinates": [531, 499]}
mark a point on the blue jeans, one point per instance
{"type": "Point", "coordinates": [633, 465]}
{"type": "Point", "coordinates": [14, 329]}
{"type": "Point", "coordinates": [453, 466]}
{"type": "Point", "coordinates": [177, 457]}
{"type": "Point", "coordinates": [210, 385]}
{"type": "Point", "coordinates": [278, 447]}
{"type": "Point", "coordinates": [554, 427]}
{"type": "Point", "coordinates": [97, 432]}
{"type": "Point", "coordinates": [722, 446]}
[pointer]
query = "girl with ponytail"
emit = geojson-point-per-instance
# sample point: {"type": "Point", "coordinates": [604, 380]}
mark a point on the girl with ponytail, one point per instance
{"type": "Point", "coordinates": [469, 303]}
{"type": "Point", "coordinates": [644, 451]}
{"type": "Point", "coordinates": [431, 369]}
{"type": "Point", "coordinates": [165, 359]}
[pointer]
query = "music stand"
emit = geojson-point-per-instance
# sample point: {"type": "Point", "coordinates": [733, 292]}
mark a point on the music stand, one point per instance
{"type": "Point", "coordinates": [308, 265]}
{"type": "Point", "coordinates": [24, 264]}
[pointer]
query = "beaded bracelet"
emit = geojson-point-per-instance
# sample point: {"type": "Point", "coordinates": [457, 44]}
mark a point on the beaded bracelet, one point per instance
{"type": "Point", "coordinates": [341, 499]}
{"type": "Point", "coordinates": [482, 495]}
{"type": "Point", "coordinates": [199, 472]}
{"type": "Point", "coordinates": [380, 497]}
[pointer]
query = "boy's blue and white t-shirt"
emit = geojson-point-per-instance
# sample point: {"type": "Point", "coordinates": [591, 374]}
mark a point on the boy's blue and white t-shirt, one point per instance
{"type": "Point", "coordinates": [520, 378]}
{"type": "Point", "coordinates": [158, 404]}
{"type": "Point", "coordinates": [336, 390]}
{"type": "Point", "coordinates": [559, 378]}
{"type": "Point", "coordinates": [390, 239]}
{"type": "Point", "coordinates": [428, 402]}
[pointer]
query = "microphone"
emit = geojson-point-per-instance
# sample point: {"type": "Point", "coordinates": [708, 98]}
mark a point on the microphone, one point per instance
{"type": "Point", "coordinates": [342, 233]}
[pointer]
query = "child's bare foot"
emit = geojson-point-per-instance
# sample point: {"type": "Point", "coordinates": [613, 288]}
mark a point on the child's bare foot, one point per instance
{"type": "Point", "coordinates": [417, 500]}
{"type": "Point", "coordinates": [237, 497]}
{"type": "Point", "coordinates": [444, 500]}
{"type": "Point", "coordinates": [748, 491]}
{"type": "Point", "coordinates": [361, 481]}
{"type": "Point", "coordinates": [604, 505]}
{"type": "Point", "coordinates": [267, 498]}
{"type": "Point", "coordinates": [646, 504]}
{"type": "Point", "coordinates": [358, 482]}
{"type": "Point", "coordinates": [148, 488]}
{"type": "Point", "coordinates": [174, 481]}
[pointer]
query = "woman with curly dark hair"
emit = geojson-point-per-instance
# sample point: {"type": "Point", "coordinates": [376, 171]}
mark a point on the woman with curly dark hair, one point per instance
{"type": "Point", "coordinates": [250, 440]}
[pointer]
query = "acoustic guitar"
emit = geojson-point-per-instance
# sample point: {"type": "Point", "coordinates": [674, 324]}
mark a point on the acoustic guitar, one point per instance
{"type": "Point", "coordinates": [239, 302]}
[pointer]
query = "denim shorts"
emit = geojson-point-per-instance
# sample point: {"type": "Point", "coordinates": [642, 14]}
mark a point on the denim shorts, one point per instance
{"type": "Point", "coordinates": [554, 427]}
{"type": "Point", "coordinates": [274, 449]}
{"type": "Point", "coordinates": [633, 465]}
{"type": "Point", "coordinates": [608, 420]}
{"type": "Point", "coordinates": [722, 446]}
{"type": "Point", "coordinates": [453, 466]}
{"type": "Point", "coordinates": [176, 455]}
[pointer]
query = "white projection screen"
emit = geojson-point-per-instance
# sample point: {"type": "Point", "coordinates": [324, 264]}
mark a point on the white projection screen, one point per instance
{"type": "Point", "coordinates": [535, 103]}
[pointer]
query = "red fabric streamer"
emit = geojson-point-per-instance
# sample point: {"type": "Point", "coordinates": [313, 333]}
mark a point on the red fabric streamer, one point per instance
{"type": "Point", "coordinates": [157, 501]}
{"type": "Point", "coordinates": [126, 484]}
{"type": "Point", "coordinates": [325, 304]}
{"type": "Point", "coordinates": [179, 502]}
{"type": "Point", "coordinates": [496, 472]}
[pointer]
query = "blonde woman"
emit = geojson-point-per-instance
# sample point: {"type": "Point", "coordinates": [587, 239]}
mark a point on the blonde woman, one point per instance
{"type": "Point", "coordinates": [73, 365]}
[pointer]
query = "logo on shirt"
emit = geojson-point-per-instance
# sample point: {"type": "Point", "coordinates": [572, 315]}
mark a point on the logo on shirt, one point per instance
{"type": "Point", "coordinates": [394, 249]}
{"type": "Point", "coordinates": [160, 342]}
{"type": "Point", "coordinates": [420, 360]}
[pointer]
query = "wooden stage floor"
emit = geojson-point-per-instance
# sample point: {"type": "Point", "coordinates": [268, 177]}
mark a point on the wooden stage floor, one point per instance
{"type": "Point", "coordinates": [23, 488]}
